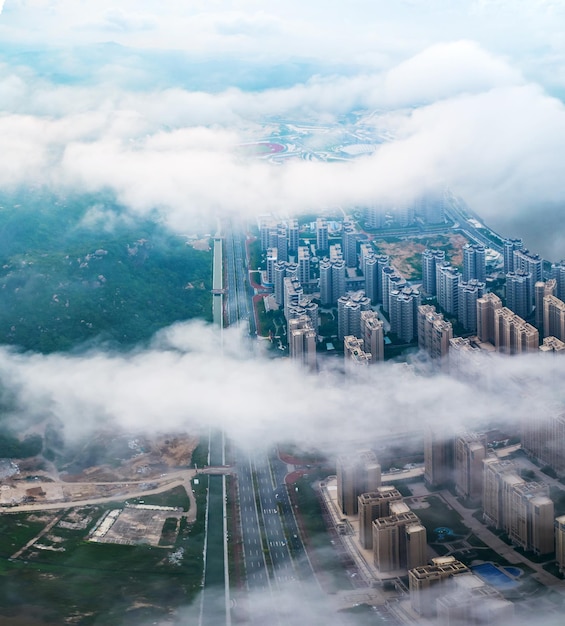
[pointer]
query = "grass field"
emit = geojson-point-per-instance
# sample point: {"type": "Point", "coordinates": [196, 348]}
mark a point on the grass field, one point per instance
{"type": "Point", "coordinates": [92, 583]}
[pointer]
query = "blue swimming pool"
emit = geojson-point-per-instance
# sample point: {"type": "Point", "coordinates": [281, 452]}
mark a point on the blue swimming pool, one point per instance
{"type": "Point", "coordinates": [498, 577]}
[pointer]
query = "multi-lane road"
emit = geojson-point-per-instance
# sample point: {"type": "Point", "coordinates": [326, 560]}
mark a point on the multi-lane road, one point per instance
{"type": "Point", "coordinates": [273, 551]}
{"type": "Point", "coordinates": [239, 309]}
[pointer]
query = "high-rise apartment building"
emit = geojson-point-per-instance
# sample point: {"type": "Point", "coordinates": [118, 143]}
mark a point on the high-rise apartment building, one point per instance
{"type": "Point", "coordinates": [282, 270]}
{"type": "Point", "coordinates": [554, 317]}
{"type": "Point", "coordinates": [552, 345]}
{"type": "Point", "coordinates": [439, 457]}
{"type": "Point", "coordinates": [302, 341]}
{"type": "Point", "coordinates": [272, 258]}
{"type": "Point", "coordinates": [530, 263]}
{"type": "Point", "coordinates": [293, 231]}
{"type": "Point", "coordinates": [403, 309]}
{"type": "Point", "coordinates": [512, 335]}
{"type": "Point", "coordinates": [349, 308]}
{"type": "Point", "coordinates": [338, 273]}
{"type": "Point", "coordinates": [282, 243]}
{"type": "Point", "coordinates": [374, 216]}
{"type": "Point", "coordinates": [293, 294]}
{"type": "Point", "coordinates": [432, 208]}
{"type": "Point", "coordinates": [469, 293]}
{"type": "Point", "coordinates": [523, 510]}
{"type": "Point", "coordinates": [350, 237]}
{"type": "Point", "coordinates": [429, 582]}
{"type": "Point", "coordinates": [371, 506]}
{"type": "Point", "coordinates": [430, 260]}
{"type": "Point", "coordinates": [353, 352]}
{"type": "Point", "coordinates": [434, 332]}
{"type": "Point", "coordinates": [560, 542]}
{"type": "Point", "coordinates": [392, 281]}
{"type": "Point", "coordinates": [474, 262]}
{"type": "Point", "coordinates": [544, 439]}
{"type": "Point", "coordinates": [447, 288]}
{"type": "Point", "coordinates": [470, 451]}
{"type": "Point", "coordinates": [382, 261]}
{"type": "Point", "coordinates": [399, 540]}
{"type": "Point", "coordinates": [307, 308]}
{"type": "Point", "coordinates": [372, 335]}
{"type": "Point", "coordinates": [303, 264]}
{"type": "Point", "coordinates": [322, 237]}
{"type": "Point", "coordinates": [266, 225]}
{"type": "Point", "coordinates": [356, 474]}
{"type": "Point", "coordinates": [486, 306]}
{"type": "Point", "coordinates": [558, 273]}
{"type": "Point", "coordinates": [332, 280]}
{"type": "Point", "coordinates": [541, 290]}
{"type": "Point", "coordinates": [510, 245]}
{"type": "Point", "coordinates": [520, 292]}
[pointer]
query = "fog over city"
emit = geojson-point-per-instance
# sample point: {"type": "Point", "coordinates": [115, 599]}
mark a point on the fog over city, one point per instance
{"type": "Point", "coordinates": [151, 102]}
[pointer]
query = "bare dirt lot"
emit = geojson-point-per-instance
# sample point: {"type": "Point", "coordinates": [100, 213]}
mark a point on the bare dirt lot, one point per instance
{"type": "Point", "coordinates": [405, 255]}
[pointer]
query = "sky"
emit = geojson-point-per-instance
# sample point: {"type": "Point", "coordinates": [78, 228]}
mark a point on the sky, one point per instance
{"type": "Point", "coordinates": [150, 100]}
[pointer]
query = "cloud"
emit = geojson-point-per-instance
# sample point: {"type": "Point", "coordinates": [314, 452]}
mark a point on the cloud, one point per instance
{"type": "Point", "coordinates": [183, 381]}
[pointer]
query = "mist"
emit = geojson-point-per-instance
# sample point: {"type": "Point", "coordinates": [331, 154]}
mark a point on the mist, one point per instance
{"type": "Point", "coordinates": [149, 104]}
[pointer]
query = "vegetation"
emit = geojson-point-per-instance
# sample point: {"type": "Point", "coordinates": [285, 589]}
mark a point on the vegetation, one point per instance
{"type": "Point", "coordinates": [75, 270]}
{"type": "Point", "coordinates": [12, 448]}
{"type": "Point", "coordinates": [83, 582]}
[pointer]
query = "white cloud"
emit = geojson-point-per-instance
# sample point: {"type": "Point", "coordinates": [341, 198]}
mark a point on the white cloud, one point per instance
{"type": "Point", "coordinates": [184, 382]}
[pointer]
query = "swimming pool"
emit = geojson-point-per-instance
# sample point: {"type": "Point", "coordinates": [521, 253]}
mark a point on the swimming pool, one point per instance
{"type": "Point", "coordinates": [502, 578]}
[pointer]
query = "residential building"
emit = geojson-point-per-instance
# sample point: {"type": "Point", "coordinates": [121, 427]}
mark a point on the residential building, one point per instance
{"type": "Point", "coordinates": [551, 345]}
{"type": "Point", "coordinates": [293, 231]}
{"type": "Point", "coordinates": [356, 474]}
{"type": "Point", "coordinates": [474, 262]}
{"type": "Point", "coordinates": [523, 510]}
{"type": "Point", "coordinates": [554, 317]}
{"type": "Point", "coordinates": [349, 308]}
{"type": "Point", "coordinates": [372, 335]}
{"type": "Point", "coordinates": [353, 352]}
{"type": "Point", "coordinates": [399, 540]}
{"type": "Point", "coordinates": [434, 332]}
{"type": "Point", "coordinates": [486, 306]}
{"type": "Point", "coordinates": [512, 335]}
{"type": "Point", "coordinates": [439, 457]}
{"type": "Point", "coordinates": [530, 263]}
{"type": "Point", "coordinates": [510, 245]}
{"type": "Point", "coordinates": [558, 273]}
{"type": "Point", "coordinates": [560, 542]}
{"type": "Point", "coordinates": [470, 451]}
{"type": "Point", "coordinates": [541, 290]}
{"type": "Point", "coordinates": [371, 506]}
{"type": "Point", "coordinates": [520, 292]}
{"type": "Point", "coordinates": [303, 264]}
{"type": "Point", "coordinates": [322, 237]}
{"type": "Point", "coordinates": [382, 261]}
{"type": "Point", "coordinates": [403, 310]}
{"type": "Point", "coordinates": [282, 243]}
{"type": "Point", "coordinates": [447, 287]}
{"type": "Point", "coordinates": [293, 294]}
{"type": "Point", "coordinates": [427, 583]}
{"type": "Point", "coordinates": [544, 439]}
{"type": "Point", "coordinates": [469, 293]}
{"type": "Point", "coordinates": [430, 260]}
{"type": "Point", "coordinates": [350, 237]}
{"type": "Point", "coordinates": [302, 341]}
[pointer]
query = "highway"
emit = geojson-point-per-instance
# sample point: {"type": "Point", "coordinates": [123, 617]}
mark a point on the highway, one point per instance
{"type": "Point", "coordinates": [254, 555]}
{"type": "Point", "coordinates": [273, 552]}
{"type": "Point", "coordinates": [239, 293]}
